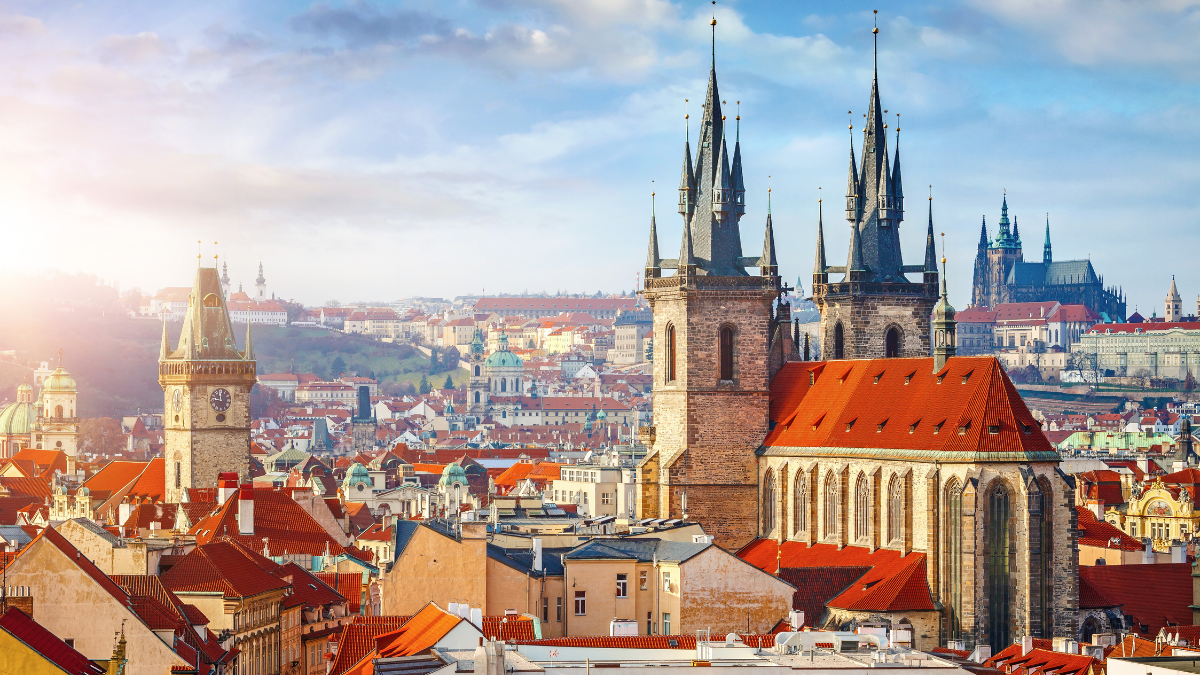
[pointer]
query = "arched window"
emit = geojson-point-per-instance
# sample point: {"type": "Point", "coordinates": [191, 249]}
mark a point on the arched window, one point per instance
{"type": "Point", "coordinates": [954, 539]}
{"type": "Point", "coordinates": [839, 341]}
{"type": "Point", "coordinates": [768, 506]}
{"type": "Point", "coordinates": [892, 346]}
{"type": "Point", "coordinates": [477, 397]}
{"type": "Point", "coordinates": [830, 521]}
{"type": "Point", "coordinates": [999, 568]}
{"type": "Point", "coordinates": [726, 352]}
{"type": "Point", "coordinates": [476, 371]}
{"type": "Point", "coordinates": [895, 513]}
{"type": "Point", "coordinates": [670, 353]}
{"type": "Point", "coordinates": [503, 384]}
{"type": "Point", "coordinates": [862, 508]}
{"type": "Point", "coordinates": [801, 502]}
{"type": "Point", "coordinates": [58, 411]}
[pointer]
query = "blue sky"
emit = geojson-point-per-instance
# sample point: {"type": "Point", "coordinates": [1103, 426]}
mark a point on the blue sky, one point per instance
{"type": "Point", "coordinates": [374, 150]}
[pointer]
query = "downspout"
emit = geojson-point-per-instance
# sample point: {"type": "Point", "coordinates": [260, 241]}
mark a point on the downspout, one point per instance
{"type": "Point", "coordinates": [654, 618]}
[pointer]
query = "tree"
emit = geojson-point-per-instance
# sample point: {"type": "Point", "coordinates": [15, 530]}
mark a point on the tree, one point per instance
{"type": "Point", "coordinates": [337, 367]}
{"type": "Point", "coordinates": [265, 402]}
{"type": "Point", "coordinates": [433, 360]}
{"type": "Point", "coordinates": [101, 436]}
{"type": "Point", "coordinates": [424, 385]}
{"type": "Point", "coordinates": [451, 358]}
{"type": "Point", "coordinates": [449, 383]}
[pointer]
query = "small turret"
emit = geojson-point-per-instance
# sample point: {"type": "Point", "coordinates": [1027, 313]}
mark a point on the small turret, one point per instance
{"type": "Point", "coordinates": [653, 259]}
{"type": "Point", "coordinates": [930, 274]}
{"type": "Point", "coordinates": [687, 256]}
{"type": "Point", "coordinates": [855, 269]}
{"type": "Point", "coordinates": [722, 200]}
{"type": "Point", "coordinates": [852, 196]}
{"type": "Point", "coordinates": [1047, 255]}
{"type": "Point", "coordinates": [165, 347]}
{"type": "Point", "coordinates": [820, 275]}
{"type": "Point", "coordinates": [897, 197]}
{"type": "Point", "coordinates": [687, 183]}
{"type": "Point", "coordinates": [944, 326]}
{"type": "Point", "coordinates": [768, 264]}
{"type": "Point", "coordinates": [249, 351]}
{"type": "Point", "coordinates": [739, 186]}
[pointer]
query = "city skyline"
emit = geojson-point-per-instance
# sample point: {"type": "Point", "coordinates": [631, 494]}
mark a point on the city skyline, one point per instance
{"type": "Point", "coordinates": [495, 139]}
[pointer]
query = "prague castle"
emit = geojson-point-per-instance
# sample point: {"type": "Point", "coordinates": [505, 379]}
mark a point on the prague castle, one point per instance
{"type": "Point", "coordinates": [206, 383]}
{"type": "Point", "coordinates": [929, 470]}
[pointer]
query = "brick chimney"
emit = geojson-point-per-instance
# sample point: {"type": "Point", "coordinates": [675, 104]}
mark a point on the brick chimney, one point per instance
{"type": "Point", "coordinates": [246, 509]}
{"type": "Point", "coordinates": [1096, 506]}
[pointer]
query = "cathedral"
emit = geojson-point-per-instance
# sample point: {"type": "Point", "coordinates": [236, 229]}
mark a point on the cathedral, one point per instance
{"type": "Point", "coordinates": [884, 456]}
{"type": "Point", "coordinates": [206, 382]}
{"type": "Point", "coordinates": [1002, 275]}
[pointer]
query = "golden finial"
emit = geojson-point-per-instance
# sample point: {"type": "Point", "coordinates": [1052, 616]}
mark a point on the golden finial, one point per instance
{"type": "Point", "coordinates": [930, 189]}
{"type": "Point", "coordinates": [876, 28]}
{"type": "Point", "coordinates": [722, 118]}
{"type": "Point", "coordinates": [739, 111]}
{"type": "Point", "coordinates": [818, 195]}
{"type": "Point", "coordinates": [198, 242]}
{"type": "Point", "coordinates": [850, 113]}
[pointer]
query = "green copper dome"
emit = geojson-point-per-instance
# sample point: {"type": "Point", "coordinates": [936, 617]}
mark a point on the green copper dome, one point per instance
{"type": "Point", "coordinates": [452, 474]}
{"type": "Point", "coordinates": [18, 418]}
{"type": "Point", "coordinates": [59, 380]}
{"type": "Point", "coordinates": [503, 359]}
{"type": "Point", "coordinates": [357, 475]}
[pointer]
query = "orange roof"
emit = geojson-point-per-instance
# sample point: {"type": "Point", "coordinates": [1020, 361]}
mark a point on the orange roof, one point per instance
{"type": "Point", "coordinates": [967, 410]}
{"type": "Point", "coordinates": [418, 634]}
{"type": "Point", "coordinates": [279, 523]}
{"type": "Point", "coordinates": [114, 476]}
{"type": "Point", "coordinates": [44, 461]}
{"type": "Point", "coordinates": [358, 639]}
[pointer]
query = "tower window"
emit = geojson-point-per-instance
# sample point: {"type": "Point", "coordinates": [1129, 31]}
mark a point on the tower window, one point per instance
{"type": "Point", "coordinates": [892, 346]}
{"type": "Point", "coordinates": [670, 353]}
{"type": "Point", "coordinates": [839, 341]}
{"type": "Point", "coordinates": [476, 371]}
{"type": "Point", "coordinates": [726, 353]}
{"type": "Point", "coordinates": [178, 477]}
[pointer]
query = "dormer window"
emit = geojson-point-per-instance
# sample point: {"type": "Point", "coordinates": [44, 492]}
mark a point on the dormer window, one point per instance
{"type": "Point", "coordinates": [908, 378]}
{"type": "Point", "coordinates": [850, 425]}
{"type": "Point", "coordinates": [993, 429]}
{"type": "Point", "coordinates": [937, 428]}
{"type": "Point", "coordinates": [879, 428]}
{"type": "Point", "coordinates": [967, 376]}
{"type": "Point", "coordinates": [962, 430]}
{"type": "Point", "coordinates": [912, 428]}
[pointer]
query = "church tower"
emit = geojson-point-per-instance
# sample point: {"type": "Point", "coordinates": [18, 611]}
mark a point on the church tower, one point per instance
{"type": "Point", "coordinates": [1173, 306]}
{"type": "Point", "coordinates": [477, 389]}
{"type": "Point", "coordinates": [875, 311]}
{"type": "Point", "coordinates": [206, 385]}
{"type": "Point", "coordinates": [980, 295]}
{"type": "Point", "coordinates": [717, 342]}
{"type": "Point", "coordinates": [260, 285]}
{"type": "Point", "coordinates": [1003, 254]}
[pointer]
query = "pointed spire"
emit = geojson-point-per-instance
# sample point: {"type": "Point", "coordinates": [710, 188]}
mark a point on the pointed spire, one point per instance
{"type": "Point", "coordinates": [1047, 256]}
{"type": "Point", "coordinates": [1016, 230]}
{"type": "Point", "coordinates": [820, 276]}
{"type": "Point", "coordinates": [852, 196]}
{"type": "Point", "coordinates": [897, 182]}
{"type": "Point", "coordinates": [165, 347]}
{"type": "Point", "coordinates": [930, 247]}
{"type": "Point", "coordinates": [855, 266]}
{"type": "Point", "coordinates": [687, 256]}
{"type": "Point", "coordinates": [653, 259]}
{"type": "Point", "coordinates": [769, 264]}
{"type": "Point", "coordinates": [687, 181]}
{"type": "Point", "coordinates": [944, 333]}
{"type": "Point", "coordinates": [983, 236]}
{"type": "Point", "coordinates": [739, 187]}
{"type": "Point", "coordinates": [722, 181]}
{"type": "Point", "coordinates": [248, 354]}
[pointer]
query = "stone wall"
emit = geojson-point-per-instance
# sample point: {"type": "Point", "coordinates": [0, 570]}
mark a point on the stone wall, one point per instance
{"type": "Point", "coordinates": [200, 442]}
{"type": "Point", "coordinates": [868, 310]}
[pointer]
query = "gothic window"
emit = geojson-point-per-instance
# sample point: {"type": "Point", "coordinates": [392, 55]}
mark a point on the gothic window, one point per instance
{"type": "Point", "coordinates": [999, 567]}
{"type": "Point", "coordinates": [801, 506]}
{"type": "Point", "coordinates": [1047, 577]}
{"type": "Point", "coordinates": [895, 520]}
{"type": "Point", "coordinates": [892, 346]}
{"type": "Point", "coordinates": [670, 353]}
{"type": "Point", "coordinates": [954, 535]}
{"type": "Point", "coordinates": [178, 477]}
{"type": "Point", "coordinates": [726, 352]}
{"type": "Point", "coordinates": [211, 300]}
{"type": "Point", "coordinates": [862, 508]}
{"type": "Point", "coordinates": [830, 521]}
{"type": "Point", "coordinates": [839, 341]}
{"type": "Point", "coordinates": [768, 506]}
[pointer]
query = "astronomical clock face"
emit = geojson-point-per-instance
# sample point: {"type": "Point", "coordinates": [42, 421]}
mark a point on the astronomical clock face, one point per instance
{"type": "Point", "coordinates": [220, 400]}
{"type": "Point", "coordinates": [177, 399]}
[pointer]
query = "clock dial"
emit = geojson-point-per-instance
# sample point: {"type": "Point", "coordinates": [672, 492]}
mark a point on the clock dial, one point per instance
{"type": "Point", "coordinates": [177, 399]}
{"type": "Point", "coordinates": [220, 400]}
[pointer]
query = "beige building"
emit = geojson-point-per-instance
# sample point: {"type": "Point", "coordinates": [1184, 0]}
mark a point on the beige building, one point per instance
{"type": "Point", "coordinates": [78, 603]}
{"type": "Point", "coordinates": [595, 490]}
{"type": "Point", "coordinates": [669, 588]}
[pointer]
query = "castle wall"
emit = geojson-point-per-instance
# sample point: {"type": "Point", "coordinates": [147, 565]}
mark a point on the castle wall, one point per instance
{"type": "Point", "coordinates": [867, 311]}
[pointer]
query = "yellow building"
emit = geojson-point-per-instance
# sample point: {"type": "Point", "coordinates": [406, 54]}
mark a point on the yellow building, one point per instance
{"type": "Point", "coordinates": [669, 588]}
{"type": "Point", "coordinates": [1163, 510]}
{"type": "Point", "coordinates": [42, 420]}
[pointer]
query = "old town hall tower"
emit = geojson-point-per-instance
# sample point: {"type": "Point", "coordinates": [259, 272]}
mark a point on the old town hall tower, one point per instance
{"type": "Point", "coordinates": [206, 383]}
{"type": "Point", "coordinates": [718, 339]}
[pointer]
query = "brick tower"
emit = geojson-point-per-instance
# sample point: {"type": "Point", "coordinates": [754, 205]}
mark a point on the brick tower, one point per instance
{"type": "Point", "coordinates": [206, 385]}
{"type": "Point", "coordinates": [717, 342]}
{"type": "Point", "coordinates": [875, 311]}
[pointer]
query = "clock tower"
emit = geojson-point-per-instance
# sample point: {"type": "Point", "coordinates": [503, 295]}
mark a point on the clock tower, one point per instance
{"type": "Point", "coordinates": [206, 385]}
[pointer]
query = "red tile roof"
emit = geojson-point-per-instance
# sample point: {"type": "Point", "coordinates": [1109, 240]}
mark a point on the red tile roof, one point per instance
{"type": "Point", "coordinates": [280, 524]}
{"type": "Point", "coordinates": [1154, 595]}
{"type": "Point", "coordinates": [418, 634]}
{"type": "Point", "coordinates": [42, 641]}
{"type": "Point", "coordinates": [358, 639]}
{"type": "Point", "coordinates": [970, 407]}
{"type": "Point", "coordinates": [893, 584]}
{"type": "Point", "coordinates": [45, 462]}
{"type": "Point", "coordinates": [348, 584]}
{"type": "Point", "coordinates": [508, 628]}
{"type": "Point", "coordinates": [224, 566]}
{"type": "Point", "coordinates": [1093, 532]}
{"type": "Point", "coordinates": [645, 641]}
{"type": "Point", "coordinates": [1042, 661]}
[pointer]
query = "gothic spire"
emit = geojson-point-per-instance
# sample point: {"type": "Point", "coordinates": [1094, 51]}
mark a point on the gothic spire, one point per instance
{"type": "Point", "coordinates": [1016, 230]}
{"type": "Point", "coordinates": [249, 352]}
{"type": "Point", "coordinates": [983, 237]}
{"type": "Point", "coordinates": [930, 249]}
{"type": "Point", "coordinates": [687, 182]}
{"type": "Point", "coordinates": [852, 202]}
{"type": "Point", "coordinates": [819, 264]}
{"type": "Point", "coordinates": [855, 266]}
{"type": "Point", "coordinates": [1046, 254]}
{"type": "Point", "coordinates": [653, 259]}
{"type": "Point", "coordinates": [165, 347]}
{"type": "Point", "coordinates": [739, 187]}
{"type": "Point", "coordinates": [687, 256]}
{"type": "Point", "coordinates": [722, 200]}
{"type": "Point", "coordinates": [897, 184]}
{"type": "Point", "coordinates": [769, 264]}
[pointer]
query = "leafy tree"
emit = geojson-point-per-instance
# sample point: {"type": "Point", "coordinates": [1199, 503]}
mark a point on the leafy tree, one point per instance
{"type": "Point", "coordinates": [451, 358]}
{"type": "Point", "coordinates": [424, 385]}
{"type": "Point", "coordinates": [265, 402]}
{"type": "Point", "coordinates": [407, 389]}
{"type": "Point", "coordinates": [449, 383]}
{"type": "Point", "coordinates": [337, 367]}
{"type": "Point", "coordinates": [101, 435]}
{"type": "Point", "coordinates": [433, 360]}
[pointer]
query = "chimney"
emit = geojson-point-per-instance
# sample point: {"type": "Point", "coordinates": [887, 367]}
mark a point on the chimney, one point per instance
{"type": "Point", "coordinates": [1026, 644]}
{"type": "Point", "coordinates": [246, 510]}
{"type": "Point", "coordinates": [1096, 506]}
{"type": "Point", "coordinates": [1178, 551]}
{"type": "Point", "coordinates": [227, 486]}
{"type": "Point", "coordinates": [1147, 551]}
{"type": "Point", "coordinates": [537, 554]}
{"type": "Point", "coordinates": [123, 511]}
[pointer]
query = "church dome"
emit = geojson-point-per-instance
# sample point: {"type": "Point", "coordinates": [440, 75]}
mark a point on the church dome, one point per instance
{"type": "Point", "coordinates": [357, 478]}
{"type": "Point", "coordinates": [19, 417]}
{"type": "Point", "coordinates": [59, 380]}
{"type": "Point", "coordinates": [601, 415]}
{"type": "Point", "coordinates": [944, 311]}
{"type": "Point", "coordinates": [452, 474]}
{"type": "Point", "coordinates": [503, 359]}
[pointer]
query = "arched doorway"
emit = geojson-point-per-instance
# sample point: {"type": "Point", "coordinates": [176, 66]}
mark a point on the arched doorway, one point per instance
{"type": "Point", "coordinates": [839, 341]}
{"type": "Point", "coordinates": [892, 343]}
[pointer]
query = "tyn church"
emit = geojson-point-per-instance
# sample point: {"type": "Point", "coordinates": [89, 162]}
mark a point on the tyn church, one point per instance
{"type": "Point", "coordinates": [930, 467]}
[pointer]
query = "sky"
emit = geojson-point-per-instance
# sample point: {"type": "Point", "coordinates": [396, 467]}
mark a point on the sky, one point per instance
{"type": "Point", "coordinates": [369, 150]}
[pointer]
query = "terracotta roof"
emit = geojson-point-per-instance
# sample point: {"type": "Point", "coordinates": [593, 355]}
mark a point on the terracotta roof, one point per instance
{"type": "Point", "coordinates": [226, 567]}
{"type": "Point", "coordinates": [45, 462]}
{"type": "Point", "coordinates": [16, 623]}
{"type": "Point", "coordinates": [508, 628]}
{"type": "Point", "coordinates": [114, 476]}
{"type": "Point", "coordinates": [893, 584]}
{"type": "Point", "coordinates": [1143, 327]}
{"type": "Point", "coordinates": [1154, 595]}
{"type": "Point", "coordinates": [646, 641]}
{"type": "Point", "coordinates": [358, 639]}
{"type": "Point", "coordinates": [976, 315]}
{"type": "Point", "coordinates": [969, 408]}
{"type": "Point", "coordinates": [347, 584]}
{"type": "Point", "coordinates": [816, 586]}
{"type": "Point", "coordinates": [1042, 660]}
{"type": "Point", "coordinates": [308, 589]}
{"type": "Point", "coordinates": [280, 524]}
{"type": "Point", "coordinates": [1093, 532]}
{"type": "Point", "coordinates": [20, 486]}
{"type": "Point", "coordinates": [1091, 597]}
{"type": "Point", "coordinates": [554, 304]}
{"type": "Point", "coordinates": [418, 634]}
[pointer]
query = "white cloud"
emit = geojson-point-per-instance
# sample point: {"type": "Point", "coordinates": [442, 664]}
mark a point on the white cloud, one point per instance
{"type": "Point", "coordinates": [135, 49]}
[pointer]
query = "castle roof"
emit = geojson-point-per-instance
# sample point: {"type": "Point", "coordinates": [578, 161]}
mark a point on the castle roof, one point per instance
{"type": "Point", "coordinates": [207, 332]}
{"type": "Point", "coordinates": [969, 410]}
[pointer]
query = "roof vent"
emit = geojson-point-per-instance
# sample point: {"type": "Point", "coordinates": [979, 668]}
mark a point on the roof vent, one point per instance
{"type": "Point", "coordinates": [908, 378]}
{"type": "Point", "coordinates": [962, 430]}
{"type": "Point", "coordinates": [941, 377]}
